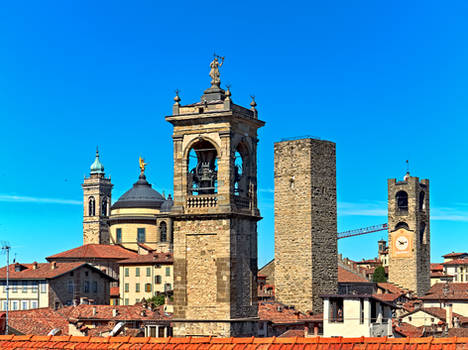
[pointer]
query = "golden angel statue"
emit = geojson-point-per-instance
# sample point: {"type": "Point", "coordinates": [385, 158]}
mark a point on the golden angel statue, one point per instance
{"type": "Point", "coordinates": [142, 165]}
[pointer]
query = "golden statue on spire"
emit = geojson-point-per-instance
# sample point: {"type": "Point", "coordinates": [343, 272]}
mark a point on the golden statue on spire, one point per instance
{"type": "Point", "coordinates": [142, 165]}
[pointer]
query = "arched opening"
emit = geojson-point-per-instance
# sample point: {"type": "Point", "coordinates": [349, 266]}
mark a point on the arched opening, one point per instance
{"type": "Point", "coordinates": [422, 233]}
{"type": "Point", "coordinates": [163, 231]}
{"type": "Point", "coordinates": [104, 207]}
{"type": "Point", "coordinates": [91, 206]}
{"type": "Point", "coordinates": [402, 200]}
{"type": "Point", "coordinates": [241, 176]}
{"type": "Point", "coordinates": [202, 169]}
{"type": "Point", "coordinates": [422, 206]}
{"type": "Point", "coordinates": [403, 225]}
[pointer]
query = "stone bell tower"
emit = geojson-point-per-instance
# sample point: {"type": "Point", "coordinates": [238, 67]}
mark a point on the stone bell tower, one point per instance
{"type": "Point", "coordinates": [215, 214]}
{"type": "Point", "coordinates": [97, 193]}
{"type": "Point", "coordinates": [409, 234]}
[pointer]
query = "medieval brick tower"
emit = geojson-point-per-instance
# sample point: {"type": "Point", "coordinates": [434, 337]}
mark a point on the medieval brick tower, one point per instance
{"type": "Point", "coordinates": [409, 234]}
{"type": "Point", "coordinates": [97, 192]}
{"type": "Point", "coordinates": [215, 214]}
{"type": "Point", "coordinates": [306, 260]}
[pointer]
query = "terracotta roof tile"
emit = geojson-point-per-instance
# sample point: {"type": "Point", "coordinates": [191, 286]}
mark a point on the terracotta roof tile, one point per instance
{"type": "Point", "coordinates": [124, 312]}
{"type": "Point", "coordinates": [456, 262]}
{"type": "Point", "coordinates": [37, 321]}
{"type": "Point", "coordinates": [43, 270]}
{"type": "Point", "coordinates": [279, 313]}
{"type": "Point", "coordinates": [114, 292]}
{"type": "Point", "coordinates": [293, 343]}
{"type": "Point", "coordinates": [103, 251]}
{"type": "Point", "coordinates": [456, 291]}
{"type": "Point", "coordinates": [345, 276]}
{"type": "Point", "coordinates": [453, 255]}
{"type": "Point", "coordinates": [392, 288]}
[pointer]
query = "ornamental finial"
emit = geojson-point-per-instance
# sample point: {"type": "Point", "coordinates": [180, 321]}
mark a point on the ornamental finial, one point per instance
{"type": "Point", "coordinates": [142, 166]}
{"type": "Point", "coordinates": [177, 97]}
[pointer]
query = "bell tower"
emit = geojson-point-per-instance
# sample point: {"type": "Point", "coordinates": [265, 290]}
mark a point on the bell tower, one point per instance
{"type": "Point", "coordinates": [215, 214]}
{"type": "Point", "coordinates": [409, 234]}
{"type": "Point", "coordinates": [97, 193]}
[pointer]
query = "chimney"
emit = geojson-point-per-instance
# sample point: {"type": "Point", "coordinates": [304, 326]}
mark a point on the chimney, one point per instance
{"type": "Point", "coordinates": [449, 315]}
{"type": "Point", "coordinates": [53, 265]}
{"type": "Point", "coordinates": [115, 312]}
{"type": "Point", "coordinates": [35, 265]}
{"type": "Point", "coordinates": [143, 313]}
{"type": "Point", "coordinates": [456, 322]}
{"type": "Point", "coordinates": [94, 310]}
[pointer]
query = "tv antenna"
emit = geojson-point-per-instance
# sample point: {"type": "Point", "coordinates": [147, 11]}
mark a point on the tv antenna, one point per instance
{"type": "Point", "coordinates": [6, 250]}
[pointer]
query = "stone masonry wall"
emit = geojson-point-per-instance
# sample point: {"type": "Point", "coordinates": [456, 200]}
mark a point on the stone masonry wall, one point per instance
{"type": "Point", "coordinates": [305, 223]}
{"type": "Point", "coordinates": [412, 272]}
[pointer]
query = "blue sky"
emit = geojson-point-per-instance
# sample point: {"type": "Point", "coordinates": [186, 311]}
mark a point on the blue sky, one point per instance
{"type": "Point", "coordinates": [386, 81]}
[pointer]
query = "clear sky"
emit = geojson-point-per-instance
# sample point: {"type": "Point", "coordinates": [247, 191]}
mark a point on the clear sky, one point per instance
{"type": "Point", "coordinates": [386, 81]}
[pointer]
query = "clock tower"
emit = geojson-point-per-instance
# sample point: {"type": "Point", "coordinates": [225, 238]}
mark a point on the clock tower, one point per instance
{"type": "Point", "coordinates": [409, 233]}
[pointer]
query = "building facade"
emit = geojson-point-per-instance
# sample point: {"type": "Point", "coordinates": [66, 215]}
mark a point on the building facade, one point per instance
{"type": "Point", "coordinates": [215, 215]}
{"type": "Point", "coordinates": [305, 223]}
{"type": "Point", "coordinates": [409, 234]}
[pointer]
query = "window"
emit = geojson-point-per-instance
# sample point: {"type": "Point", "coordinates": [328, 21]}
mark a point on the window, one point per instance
{"type": "Point", "coordinates": [141, 235]}
{"type": "Point", "coordinates": [168, 271]}
{"type": "Point", "coordinates": [4, 306]}
{"type": "Point", "coordinates": [361, 314]}
{"type": "Point", "coordinates": [33, 304]}
{"type": "Point", "coordinates": [118, 235]}
{"type": "Point", "coordinates": [95, 287]}
{"type": "Point", "coordinates": [126, 301]}
{"type": "Point", "coordinates": [336, 310]}
{"type": "Point", "coordinates": [421, 200]}
{"type": "Point", "coordinates": [70, 286]}
{"type": "Point", "coordinates": [24, 305]}
{"type": "Point", "coordinates": [25, 287]}
{"type": "Point", "coordinates": [86, 286]}
{"type": "Point", "coordinates": [137, 272]}
{"type": "Point", "coordinates": [126, 272]}
{"type": "Point", "coordinates": [126, 289]}
{"type": "Point", "coordinates": [137, 287]}
{"type": "Point", "coordinates": [148, 287]}
{"type": "Point", "coordinates": [402, 224]}
{"type": "Point", "coordinates": [409, 318]}
{"type": "Point", "coordinates": [167, 287]}
{"type": "Point", "coordinates": [157, 279]}
{"type": "Point", "coordinates": [422, 233]}
{"type": "Point", "coordinates": [432, 319]}
{"type": "Point", "coordinates": [163, 231]}
{"type": "Point", "coordinates": [14, 286]}
{"type": "Point", "coordinates": [91, 206]}
{"type": "Point", "coordinates": [15, 305]}
{"type": "Point", "coordinates": [148, 272]}
{"type": "Point", "coordinates": [202, 169]}
{"type": "Point", "coordinates": [104, 207]}
{"type": "Point", "coordinates": [137, 300]}
{"type": "Point", "coordinates": [34, 285]}
{"type": "Point", "coordinates": [43, 287]}
{"type": "Point", "coordinates": [402, 200]}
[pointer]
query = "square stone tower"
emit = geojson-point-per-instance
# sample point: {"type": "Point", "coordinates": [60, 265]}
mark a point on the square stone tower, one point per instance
{"type": "Point", "coordinates": [215, 215]}
{"type": "Point", "coordinates": [306, 259]}
{"type": "Point", "coordinates": [409, 234]}
{"type": "Point", "coordinates": [97, 194]}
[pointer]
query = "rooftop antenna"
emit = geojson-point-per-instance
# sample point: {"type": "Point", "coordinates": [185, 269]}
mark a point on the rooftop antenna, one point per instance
{"type": "Point", "coordinates": [6, 249]}
{"type": "Point", "coordinates": [407, 166]}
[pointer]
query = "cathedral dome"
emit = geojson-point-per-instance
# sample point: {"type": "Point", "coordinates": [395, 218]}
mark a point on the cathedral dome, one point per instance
{"type": "Point", "coordinates": [141, 195]}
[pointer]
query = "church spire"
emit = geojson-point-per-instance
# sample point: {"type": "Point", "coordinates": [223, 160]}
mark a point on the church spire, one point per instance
{"type": "Point", "coordinates": [97, 167]}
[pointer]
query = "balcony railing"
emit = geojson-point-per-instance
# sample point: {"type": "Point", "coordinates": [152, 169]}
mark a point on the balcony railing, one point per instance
{"type": "Point", "coordinates": [202, 201]}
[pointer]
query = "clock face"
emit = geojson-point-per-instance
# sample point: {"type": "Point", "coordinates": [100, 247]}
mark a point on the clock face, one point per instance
{"type": "Point", "coordinates": [401, 243]}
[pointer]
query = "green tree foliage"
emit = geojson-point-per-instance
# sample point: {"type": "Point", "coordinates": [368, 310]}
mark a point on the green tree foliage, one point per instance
{"type": "Point", "coordinates": [157, 300]}
{"type": "Point", "coordinates": [379, 275]}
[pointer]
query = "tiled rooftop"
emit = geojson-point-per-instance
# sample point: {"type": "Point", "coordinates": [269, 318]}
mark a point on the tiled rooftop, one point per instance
{"type": "Point", "coordinates": [453, 255]}
{"type": "Point", "coordinates": [345, 276]}
{"type": "Point", "coordinates": [209, 343]}
{"type": "Point", "coordinates": [279, 313]}
{"type": "Point", "coordinates": [457, 262]}
{"type": "Point", "coordinates": [456, 291]}
{"type": "Point", "coordinates": [154, 258]}
{"type": "Point", "coordinates": [43, 270]}
{"type": "Point", "coordinates": [99, 251]}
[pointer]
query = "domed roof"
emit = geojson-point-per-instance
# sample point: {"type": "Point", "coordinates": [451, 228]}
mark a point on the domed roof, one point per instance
{"type": "Point", "coordinates": [141, 195]}
{"type": "Point", "coordinates": [97, 167]}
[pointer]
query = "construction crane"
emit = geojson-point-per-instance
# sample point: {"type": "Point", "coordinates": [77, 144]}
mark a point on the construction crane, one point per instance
{"type": "Point", "coordinates": [363, 231]}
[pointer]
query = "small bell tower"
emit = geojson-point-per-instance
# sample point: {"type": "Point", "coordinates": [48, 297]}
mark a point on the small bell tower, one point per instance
{"type": "Point", "coordinates": [215, 214]}
{"type": "Point", "coordinates": [97, 193]}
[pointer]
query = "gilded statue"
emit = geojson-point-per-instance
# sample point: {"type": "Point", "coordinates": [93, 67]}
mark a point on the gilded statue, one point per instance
{"type": "Point", "coordinates": [142, 165]}
{"type": "Point", "coordinates": [214, 72]}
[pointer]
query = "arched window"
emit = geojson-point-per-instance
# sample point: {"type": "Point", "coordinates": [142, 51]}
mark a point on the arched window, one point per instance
{"type": "Point", "coordinates": [163, 231]}
{"type": "Point", "coordinates": [422, 233]}
{"type": "Point", "coordinates": [241, 184]}
{"type": "Point", "coordinates": [104, 207]}
{"type": "Point", "coordinates": [202, 175]}
{"type": "Point", "coordinates": [421, 200]}
{"type": "Point", "coordinates": [402, 224]}
{"type": "Point", "coordinates": [402, 200]}
{"type": "Point", "coordinates": [91, 206]}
